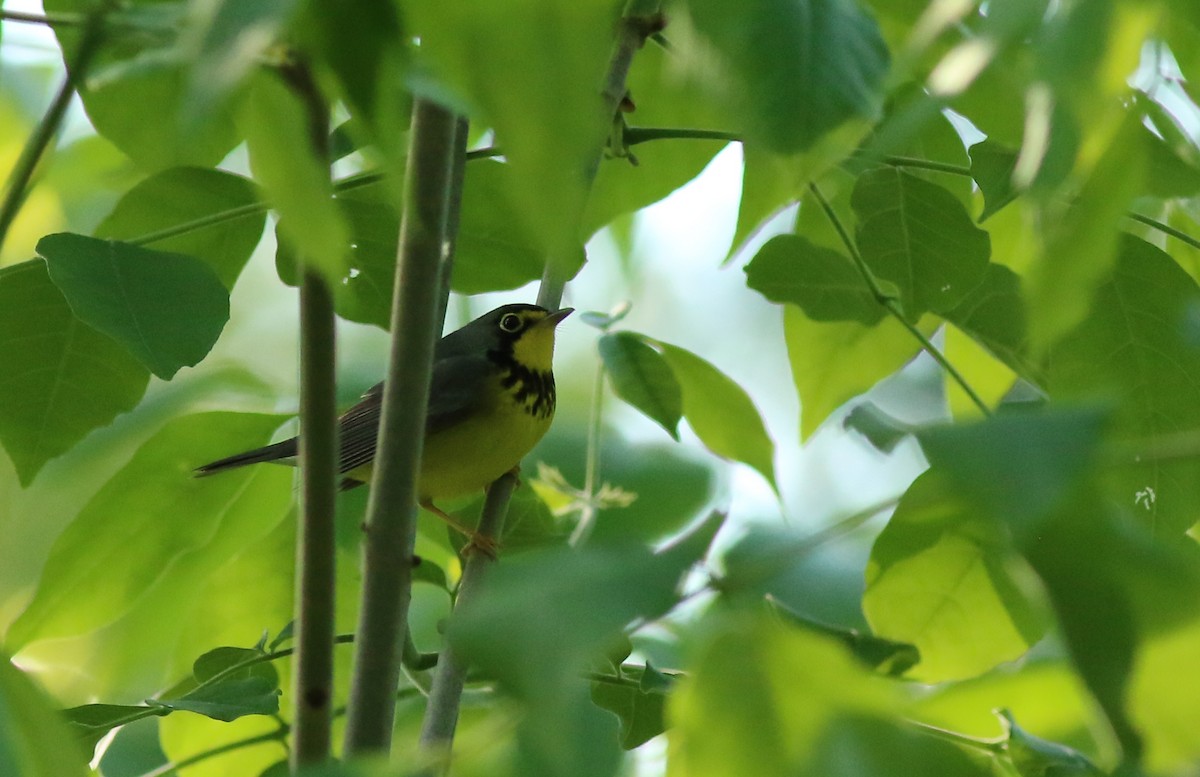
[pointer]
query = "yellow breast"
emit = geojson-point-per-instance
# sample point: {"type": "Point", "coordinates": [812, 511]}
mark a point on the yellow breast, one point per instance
{"type": "Point", "coordinates": [468, 456]}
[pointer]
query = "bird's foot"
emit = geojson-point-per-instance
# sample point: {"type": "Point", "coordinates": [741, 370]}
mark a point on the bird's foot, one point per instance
{"type": "Point", "coordinates": [480, 543]}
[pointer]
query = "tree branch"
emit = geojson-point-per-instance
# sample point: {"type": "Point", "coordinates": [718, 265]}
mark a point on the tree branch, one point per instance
{"type": "Point", "coordinates": [35, 147]}
{"type": "Point", "coordinates": [316, 543]}
{"type": "Point", "coordinates": [392, 509]}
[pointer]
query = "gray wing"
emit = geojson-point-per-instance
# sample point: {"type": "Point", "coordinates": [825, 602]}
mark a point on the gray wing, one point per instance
{"type": "Point", "coordinates": [456, 390]}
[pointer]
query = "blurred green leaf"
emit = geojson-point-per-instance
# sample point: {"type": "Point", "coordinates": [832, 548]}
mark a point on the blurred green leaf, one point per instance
{"type": "Point", "coordinates": [887, 656]}
{"type": "Point", "coordinates": [137, 92]}
{"type": "Point", "coordinates": [882, 430]}
{"type": "Point", "coordinates": [1037, 757]}
{"type": "Point", "coordinates": [720, 412]}
{"type": "Point", "coordinates": [34, 742]}
{"type": "Point", "coordinates": [295, 182]}
{"type": "Point", "coordinates": [740, 705]}
{"type": "Point", "coordinates": [228, 700]}
{"type": "Point", "coordinates": [798, 69]}
{"type": "Point", "coordinates": [834, 362]}
{"type": "Point", "coordinates": [992, 168]}
{"type": "Point", "coordinates": [1133, 347]}
{"type": "Point", "coordinates": [532, 69]}
{"type": "Point", "coordinates": [182, 195]}
{"type": "Point", "coordinates": [918, 236]}
{"type": "Point", "coordinates": [94, 572]}
{"type": "Point", "coordinates": [225, 40]}
{"type": "Point", "coordinates": [769, 185]}
{"type": "Point", "coordinates": [821, 282]}
{"type": "Point", "coordinates": [947, 582]}
{"type": "Point", "coordinates": [643, 378]}
{"type": "Point", "coordinates": [91, 722]}
{"type": "Point", "coordinates": [134, 750]}
{"type": "Point", "coordinates": [167, 309]}
{"type": "Point", "coordinates": [1017, 467]}
{"type": "Point", "coordinates": [44, 412]}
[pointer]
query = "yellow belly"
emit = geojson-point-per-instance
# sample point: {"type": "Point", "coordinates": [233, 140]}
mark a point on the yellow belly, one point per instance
{"type": "Point", "coordinates": [468, 456]}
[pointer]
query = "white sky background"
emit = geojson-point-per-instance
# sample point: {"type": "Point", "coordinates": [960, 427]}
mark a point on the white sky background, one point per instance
{"type": "Point", "coordinates": [680, 293]}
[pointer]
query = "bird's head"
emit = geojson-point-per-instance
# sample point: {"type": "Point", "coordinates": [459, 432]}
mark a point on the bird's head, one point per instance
{"type": "Point", "coordinates": [526, 332]}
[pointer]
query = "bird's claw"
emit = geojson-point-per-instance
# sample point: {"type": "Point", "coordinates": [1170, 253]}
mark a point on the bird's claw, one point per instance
{"type": "Point", "coordinates": [481, 543]}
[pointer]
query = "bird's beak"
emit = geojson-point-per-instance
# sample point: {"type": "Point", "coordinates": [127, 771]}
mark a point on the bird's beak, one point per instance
{"type": "Point", "coordinates": [552, 320]}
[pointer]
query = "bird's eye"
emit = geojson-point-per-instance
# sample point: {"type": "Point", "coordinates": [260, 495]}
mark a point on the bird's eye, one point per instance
{"type": "Point", "coordinates": [511, 322]}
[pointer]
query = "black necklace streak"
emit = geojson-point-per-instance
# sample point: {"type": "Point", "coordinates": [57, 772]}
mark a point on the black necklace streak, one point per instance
{"type": "Point", "coordinates": [532, 389]}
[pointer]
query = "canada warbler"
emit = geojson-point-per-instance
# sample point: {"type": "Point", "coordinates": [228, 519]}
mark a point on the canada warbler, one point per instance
{"type": "Point", "coordinates": [491, 399]}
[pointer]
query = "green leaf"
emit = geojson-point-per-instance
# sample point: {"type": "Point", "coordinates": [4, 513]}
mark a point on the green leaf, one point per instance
{"type": "Point", "coordinates": [81, 589]}
{"type": "Point", "coordinates": [1135, 346]}
{"type": "Point", "coordinates": [994, 315]}
{"type": "Point", "coordinates": [740, 705]}
{"type": "Point", "coordinates": [1082, 239]}
{"type": "Point", "coordinates": [225, 41]}
{"type": "Point", "coordinates": [1017, 467]}
{"type": "Point", "coordinates": [992, 168]}
{"type": "Point", "coordinates": [882, 430]}
{"type": "Point", "coordinates": [137, 92]}
{"type": "Point", "coordinates": [918, 236]}
{"type": "Point", "coordinates": [945, 581]}
{"type": "Point", "coordinates": [167, 309]}
{"type": "Point", "coordinates": [641, 713]}
{"type": "Point", "coordinates": [62, 379]}
{"type": "Point", "coordinates": [800, 68]}
{"type": "Point", "coordinates": [643, 378]}
{"type": "Point", "coordinates": [1037, 757]}
{"type": "Point", "coordinates": [832, 363]}
{"type": "Point", "coordinates": [887, 656]}
{"type": "Point", "coordinates": [229, 700]}
{"type": "Point", "coordinates": [296, 183]}
{"type": "Point", "coordinates": [185, 195]}
{"type": "Point", "coordinates": [532, 68]}
{"type": "Point", "coordinates": [91, 722]}
{"type": "Point", "coordinates": [821, 282]}
{"type": "Point", "coordinates": [34, 742]}
{"type": "Point", "coordinates": [720, 412]}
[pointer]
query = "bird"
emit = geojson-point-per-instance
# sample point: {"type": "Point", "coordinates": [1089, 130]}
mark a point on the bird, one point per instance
{"type": "Point", "coordinates": [491, 399]}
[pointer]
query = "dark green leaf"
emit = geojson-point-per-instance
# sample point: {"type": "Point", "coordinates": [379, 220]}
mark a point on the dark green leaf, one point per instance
{"type": "Point", "coordinates": [91, 722]}
{"type": "Point", "coordinates": [945, 580]}
{"type": "Point", "coordinates": [858, 745]}
{"type": "Point", "coordinates": [1017, 467]}
{"type": "Point", "coordinates": [720, 412]}
{"type": "Point", "coordinates": [167, 309]}
{"type": "Point", "coordinates": [429, 572]}
{"type": "Point", "coordinates": [222, 659]}
{"type": "Point", "coordinates": [881, 430]}
{"type": "Point", "coordinates": [994, 315]}
{"type": "Point", "coordinates": [134, 750]}
{"type": "Point", "coordinates": [884, 655]}
{"type": "Point", "coordinates": [918, 236]}
{"type": "Point", "coordinates": [184, 195]}
{"type": "Point", "coordinates": [1134, 346]}
{"type": "Point", "coordinates": [1037, 757]}
{"type": "Point", "coordinates": [800, 68]}
{"type": "Point", "coordinates": [992, 168]}
{"type": "Point", "coordinates": [229, 700]}
{"type": "Point", "coordinates": [34, 742]}
{"type": "Point", "coordinates": [821, 282]}
{"type": "Point", "coordinates": [91, 379]}
{"type": "Point", "coordinates": [643, 378]}
{"type": "Point", "coordinates": [641, 713]}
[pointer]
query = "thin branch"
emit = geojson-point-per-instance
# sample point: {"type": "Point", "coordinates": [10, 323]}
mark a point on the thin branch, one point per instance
{"type": "Point", "coordinates": [316, 543]}
{"type": "Point", "coordinates": [278, 735]}
{"type": "Point", "coordinates": [48, 19]}
{"type": "Point", "coordinates": [1166, 229]}
{"type": "Point", "coordinates": [587, 515]}
{"type": "Point", "coordinates": [891, 305]}
{"type": "Point", "coordinates": [22, 173]}
{"type": "Point", "coordinates": [392, 508]}
{"type": "Point", "coordinates": [458, 174]}
{"type": "Point", "coordinates": [990, 746]}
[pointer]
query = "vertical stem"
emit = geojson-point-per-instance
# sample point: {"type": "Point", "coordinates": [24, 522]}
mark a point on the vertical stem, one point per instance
{"type": "Point", "coordinates": [441, 716]}
{"type": "Point", "coordinates": [316, 545]}
{"type": "Point", "coordinates": [22, 172]}
{"type": "Point", "coordinates": [392, 509]}
{"type": "Point", "coordinates": [458, 174]}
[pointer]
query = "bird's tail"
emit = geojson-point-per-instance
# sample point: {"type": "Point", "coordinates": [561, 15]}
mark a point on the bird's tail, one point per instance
{"type": "Point", "coordinates": [280, 451]}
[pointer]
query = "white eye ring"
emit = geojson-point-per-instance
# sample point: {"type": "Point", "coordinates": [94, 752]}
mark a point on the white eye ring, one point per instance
{"type": "Point", "coordinates": [511, 322]}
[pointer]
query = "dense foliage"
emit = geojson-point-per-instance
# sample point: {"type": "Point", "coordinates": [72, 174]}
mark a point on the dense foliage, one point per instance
{"type": "Point", "coordinates": [1001, 193]}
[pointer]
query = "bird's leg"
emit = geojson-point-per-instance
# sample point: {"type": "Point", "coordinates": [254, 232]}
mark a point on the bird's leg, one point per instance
{"type": "Point", "coordinates": [475, 541]}
{"type": "Point", "coordinates": [516, 473]}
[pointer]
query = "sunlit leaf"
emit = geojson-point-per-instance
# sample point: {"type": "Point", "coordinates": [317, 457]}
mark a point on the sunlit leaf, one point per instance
{"type": "Point", "coordinates": [167, 309]}
{"type": "Point", "coordinates": [34, 740]}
